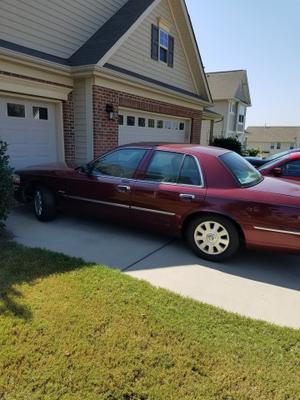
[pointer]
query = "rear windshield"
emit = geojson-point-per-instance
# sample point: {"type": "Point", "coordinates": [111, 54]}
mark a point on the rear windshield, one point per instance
{"type": "Point", "coordinates": [241, 169]}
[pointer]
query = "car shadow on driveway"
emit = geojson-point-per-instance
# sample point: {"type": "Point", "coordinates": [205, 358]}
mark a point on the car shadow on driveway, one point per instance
{"type": "Point", "coordinates": [132, 250]}
{"type": "Point", "coordinates": [274, 268]}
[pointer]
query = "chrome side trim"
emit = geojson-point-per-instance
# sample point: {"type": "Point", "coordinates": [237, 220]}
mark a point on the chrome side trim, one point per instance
{"type": "Point", "coordinates": [105, 203]}
{"type": "Point", "coordinates": [120, 205]}
{"type": "Point", "coordinates": [153, 211]}
{"type": "Point", "coordinates": [259, 228]}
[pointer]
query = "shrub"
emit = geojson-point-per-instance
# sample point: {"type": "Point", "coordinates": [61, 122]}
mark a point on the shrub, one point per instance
{"type": "Point", "coordinates": [6, 184]}
{"type": "Point", "coordinates": [229, 143]}
{"type": "Point", "coordinates": [252, 152]}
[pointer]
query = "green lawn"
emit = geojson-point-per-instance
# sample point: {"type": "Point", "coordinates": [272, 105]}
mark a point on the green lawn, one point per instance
{"type": "Point", "coordinates": [70, 330]}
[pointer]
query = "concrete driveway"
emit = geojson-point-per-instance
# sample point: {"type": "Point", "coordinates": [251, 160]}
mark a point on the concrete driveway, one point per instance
{"type": "Point", "coordinates": [259, 285]}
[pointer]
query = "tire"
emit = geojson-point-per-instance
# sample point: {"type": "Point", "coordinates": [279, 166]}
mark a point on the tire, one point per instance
{"type": "Point", "coordinates": [213, 237]}
{"type": "Point", "coordinates": [44, 204]}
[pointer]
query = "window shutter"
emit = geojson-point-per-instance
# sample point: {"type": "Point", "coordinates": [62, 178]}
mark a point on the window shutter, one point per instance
{"type": "Point", "coordinates": [171, 52]}
{"type": "Point", "coordinates": [154, 42]}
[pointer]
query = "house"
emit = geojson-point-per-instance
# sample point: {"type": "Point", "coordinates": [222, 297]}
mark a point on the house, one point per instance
{"type": "Point", "coordinates": [270, 140]}
{"type": "Point", "coordinates": [231, 97]}
{"type": "Point", "coordinates": [79, 78]}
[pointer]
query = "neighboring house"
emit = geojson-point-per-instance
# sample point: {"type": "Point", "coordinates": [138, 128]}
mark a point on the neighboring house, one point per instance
{"type": "Point", "coordinates": [231, 97]}
{"type": "Point", "coordinates": [79, 78]}
{"type": "Point", "coordinates": [272, 139]}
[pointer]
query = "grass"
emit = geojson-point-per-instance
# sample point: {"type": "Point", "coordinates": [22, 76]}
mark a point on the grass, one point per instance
{"type": "Point", "coordinates": [70, 330]}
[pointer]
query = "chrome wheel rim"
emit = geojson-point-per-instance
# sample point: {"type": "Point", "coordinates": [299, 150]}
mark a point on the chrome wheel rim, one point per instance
{"type": "Point", "coordinates": [212, 238]}
{"type": "Point", "coordinates": [38, 203]}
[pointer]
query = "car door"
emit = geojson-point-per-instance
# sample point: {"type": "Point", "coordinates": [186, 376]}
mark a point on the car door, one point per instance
{"type": "Point", "coordinates": [105, 189]}
{"type": "Point", "coordinates": [170, 187]}
{"type": "Point", "coordinates": [291, 170]}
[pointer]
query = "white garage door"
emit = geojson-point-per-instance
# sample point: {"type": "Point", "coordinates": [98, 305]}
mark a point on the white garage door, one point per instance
{"type": "Point", "coordinates": [135, 126]}
{"type": "Point", "coordinates": [29, 128]}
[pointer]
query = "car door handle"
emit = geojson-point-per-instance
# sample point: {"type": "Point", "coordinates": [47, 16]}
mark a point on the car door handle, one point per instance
{"type": "Point", "coordinates": [123, 188]}
{"type": "Point", "coordinates": [187, 197]}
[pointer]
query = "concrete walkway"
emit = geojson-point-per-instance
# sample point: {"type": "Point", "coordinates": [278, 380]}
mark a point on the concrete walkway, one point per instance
{"type": "Point", "coordinates": [259, 285]}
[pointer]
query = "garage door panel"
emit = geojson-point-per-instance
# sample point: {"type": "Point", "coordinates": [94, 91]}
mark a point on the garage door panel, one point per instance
{"type": "Point", "coordinates": [135, 126]}
{"type": "Point", "coordinates": [32, 139]}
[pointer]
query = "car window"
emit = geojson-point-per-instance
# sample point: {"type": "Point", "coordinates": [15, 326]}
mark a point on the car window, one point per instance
{"type": "Point", "coordinates": [271, 164]}
{"type": "Point", "coordinates": [244, 172]}
{"type": "Point", "coordinates": [164, 167]}
{"type": "Point", "coordinates": [291, 168]}
{"type": "Point", "coordinates": [120, 163]}
{"type": "Point", "coordinates": [277, 155]}
{"type": "Point", "coordinates": [190, 174]}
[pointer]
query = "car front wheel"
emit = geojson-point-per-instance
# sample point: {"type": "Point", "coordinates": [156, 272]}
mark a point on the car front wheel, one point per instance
{"type": "Point", "coordinates": [44, 204]}
{"type": "Point", "coordinates": [213, 238]}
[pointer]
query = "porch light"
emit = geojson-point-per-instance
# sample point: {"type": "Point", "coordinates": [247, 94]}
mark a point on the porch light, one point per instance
{"type": "Point", "coordinates": [110, 111]}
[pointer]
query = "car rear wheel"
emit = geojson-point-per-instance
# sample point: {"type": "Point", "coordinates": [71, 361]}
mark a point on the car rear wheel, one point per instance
{"type": "Point", "coordinates": [44, 204]}
{"type": "Point", "coordinates": [213, 237]}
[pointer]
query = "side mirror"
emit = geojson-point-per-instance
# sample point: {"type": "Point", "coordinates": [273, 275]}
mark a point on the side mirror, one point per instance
{"type": "Point", "coordinates": [277, 171]}
{"type": "Point", "coordinates": [85, 169]}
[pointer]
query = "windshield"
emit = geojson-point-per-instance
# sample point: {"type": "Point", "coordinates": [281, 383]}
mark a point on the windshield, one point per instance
{"type": "Point", "coordinates": [277, 155]}
{"type": "Point", "coordinates": [241, 169]}
{"type": "Point", "coordinates": [271, 163]}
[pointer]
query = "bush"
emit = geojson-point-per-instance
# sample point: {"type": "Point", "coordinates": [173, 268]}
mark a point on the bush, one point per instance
{"type": "Point", "coordinates": [6, 184]}
{"type": "Point", "coordinates": [252, 152]}
{"type": "Point", "coordinates": [229, 143]}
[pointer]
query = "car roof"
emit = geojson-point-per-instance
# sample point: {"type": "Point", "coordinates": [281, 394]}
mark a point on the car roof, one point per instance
{"type": "Point", "coordinates": [295, 155]}
{"type": "Point", "coordinates": [193, 149]}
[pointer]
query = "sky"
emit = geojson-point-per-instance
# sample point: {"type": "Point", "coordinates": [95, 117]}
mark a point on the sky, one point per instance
{"type": "Point", "coordinates": [261, 36]}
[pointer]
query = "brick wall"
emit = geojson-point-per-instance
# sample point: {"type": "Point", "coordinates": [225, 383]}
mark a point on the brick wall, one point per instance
{"type": "Point", "coordinates": [69, 134]}
{"type": "Point", "coordinates": [106, 131]}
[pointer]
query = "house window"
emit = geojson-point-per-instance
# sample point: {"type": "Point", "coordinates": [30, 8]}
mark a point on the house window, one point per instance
{"type": "Point", "coordinates": [131, 121]}
{"type": "Point", "coordinates": [242, 112]}
{"type": "Point", "coordinates": [15, 110]}
{"type": "Point", "coordinates": [163, 46]}
{"type": "Point", "coordinates": [232, 106]}
{"type": "Point", "coordinates": [142, 122]}
{"type": "Point", "coordinates": [160, 124]}
{"type": "Point", "coordinates": [181, 126]}
{"type": "Point", "coordinates": [241, 119]}
{"type": "Point", "coordinates": [40, 113]}
{"type": "Point", "coordinates": [272, 146]}
{"type": "Point", "coordinates": [151, 123]}
{"type": "Point", "coordinates": [121, 119]}
{"type": "Point", "coordinates": [278, 146]}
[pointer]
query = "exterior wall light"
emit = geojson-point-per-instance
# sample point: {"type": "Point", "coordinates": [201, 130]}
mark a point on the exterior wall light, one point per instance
{"type": "Point", "coordinates": [110, 111]}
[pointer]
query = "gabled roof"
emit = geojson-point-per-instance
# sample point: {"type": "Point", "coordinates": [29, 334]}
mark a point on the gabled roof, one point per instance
{"type": "Point", "coordinates": [102, 44]}
{"type": "Point", "coordinates": [225, 85]}
{"type": "Point", "coordinates": [273, 133]}
{"type": "Point", "coordinates": [109, 34]}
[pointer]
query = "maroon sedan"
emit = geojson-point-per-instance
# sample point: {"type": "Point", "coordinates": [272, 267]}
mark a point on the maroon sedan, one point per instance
{"type": "Point", "coordinates": [213, 197]}
{"type": "Point", "coordinates": [286, 167]}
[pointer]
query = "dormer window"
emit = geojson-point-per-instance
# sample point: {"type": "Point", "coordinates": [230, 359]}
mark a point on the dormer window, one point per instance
{"type": "Point", "coordinates": [162, 48]}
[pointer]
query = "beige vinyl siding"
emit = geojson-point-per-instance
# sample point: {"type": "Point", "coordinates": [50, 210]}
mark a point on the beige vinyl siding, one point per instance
{"type": "Point", "coordinates": [135, 53]}
{"type": "Point", "coordinates": [55, 27]}
{"type": "Point", "coordinates": [82, 97]}
{"type": "Point", "coordinates": [221, 107]}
